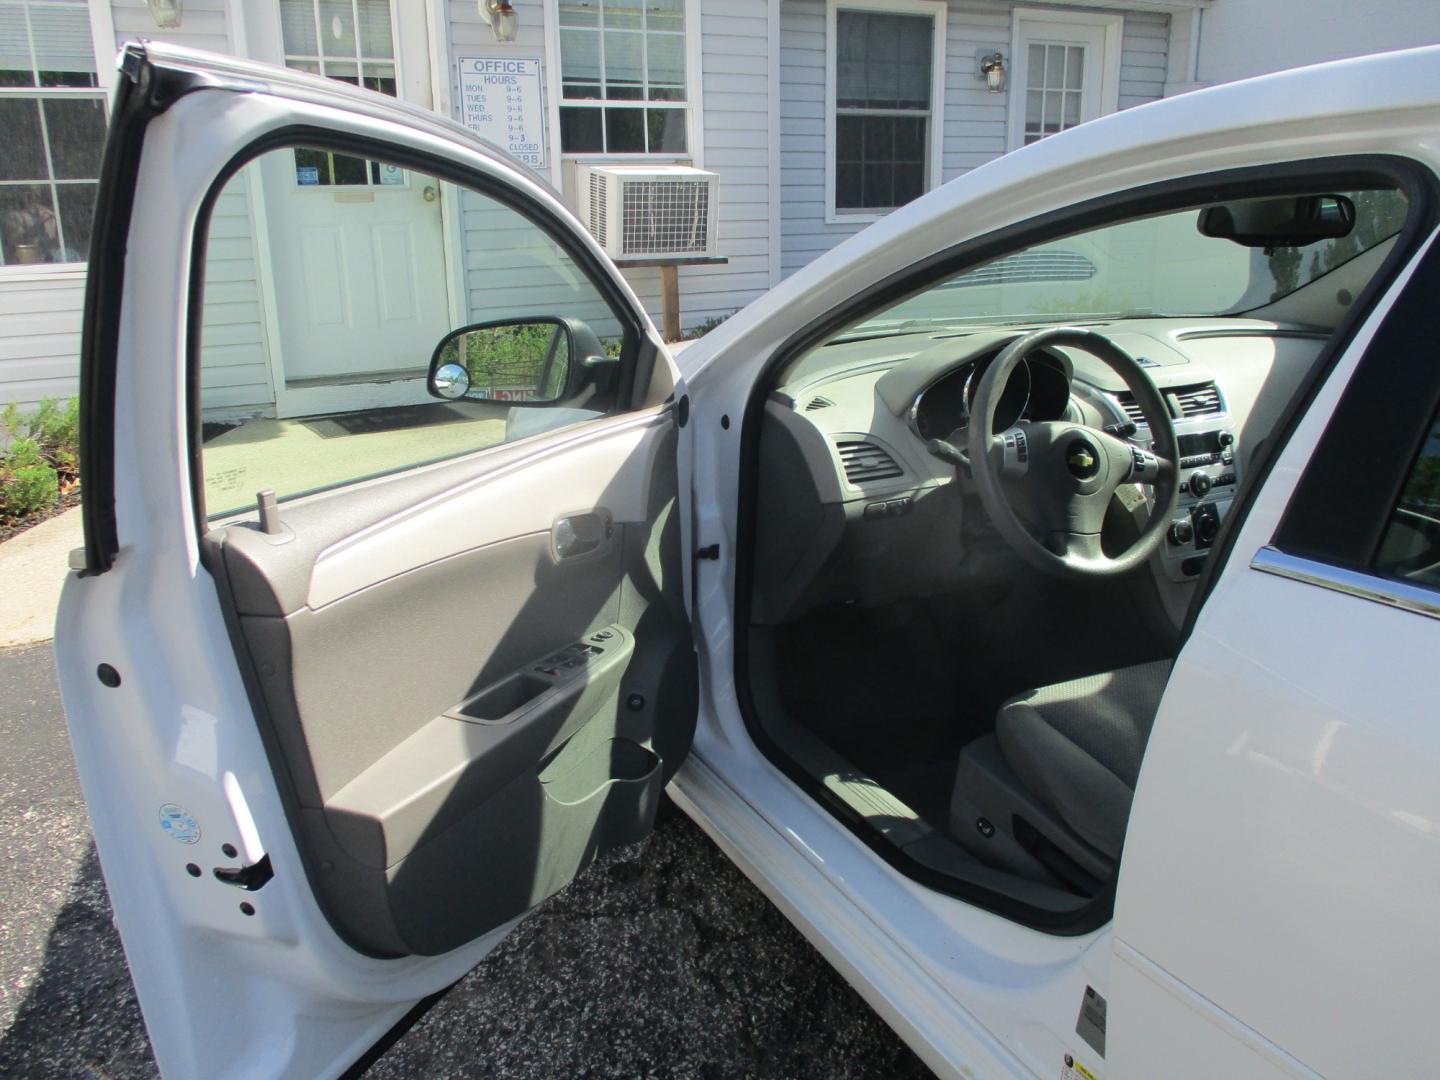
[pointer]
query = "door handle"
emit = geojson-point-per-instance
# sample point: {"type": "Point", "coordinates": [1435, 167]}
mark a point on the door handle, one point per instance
{"type": "Point", "coordinates": [575, 535]}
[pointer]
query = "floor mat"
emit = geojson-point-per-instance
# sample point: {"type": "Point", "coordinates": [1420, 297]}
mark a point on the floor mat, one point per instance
{"type": "Point", "coordinates": [882, 694]}
{"type": "Point", "coordinates": [373, 421]}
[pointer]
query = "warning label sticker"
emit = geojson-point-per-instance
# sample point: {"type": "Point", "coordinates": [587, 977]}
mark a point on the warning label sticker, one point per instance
{"type": "Point", "coordinates": [1073, 1070]}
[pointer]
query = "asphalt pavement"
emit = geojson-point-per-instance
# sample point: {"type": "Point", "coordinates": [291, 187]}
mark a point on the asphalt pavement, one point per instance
{"type": "Point", "coordinates": [661, 960]}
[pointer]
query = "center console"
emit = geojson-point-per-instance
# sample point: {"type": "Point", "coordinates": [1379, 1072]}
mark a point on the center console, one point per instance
{"type": "Point", "coordinates": [1209, 476]}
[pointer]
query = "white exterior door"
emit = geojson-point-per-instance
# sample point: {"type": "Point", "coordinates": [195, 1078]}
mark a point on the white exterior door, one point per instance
{"type": "Point", "coordinates": [1065, 69]}
{"type": "Point", "coordinates": [356, 249]}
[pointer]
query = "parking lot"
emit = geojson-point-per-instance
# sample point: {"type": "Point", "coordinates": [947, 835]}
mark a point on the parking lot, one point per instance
{"type": "Point", "coordinates": [662, 960]}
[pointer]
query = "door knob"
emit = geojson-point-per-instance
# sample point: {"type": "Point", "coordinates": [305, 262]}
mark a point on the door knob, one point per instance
{"type": "Point", "coordinates": [429, 194]}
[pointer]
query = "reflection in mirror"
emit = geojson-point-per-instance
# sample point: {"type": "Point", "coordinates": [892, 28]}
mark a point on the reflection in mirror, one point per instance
{"type": "Point", "coordinates": [1294, 221]}
{"type": "Point", "coordinates": [522, 361]}
{"type": "Point", "coordinates": [450, 381]}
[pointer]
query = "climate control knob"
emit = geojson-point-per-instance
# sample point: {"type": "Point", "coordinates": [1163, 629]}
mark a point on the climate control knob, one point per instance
{"type": "Point", "coordinates": [1207, 528]}
{"type": "Point", "coordinates": [1200, 484]}
{"type": "Point", "coordinates": [1181, 532]}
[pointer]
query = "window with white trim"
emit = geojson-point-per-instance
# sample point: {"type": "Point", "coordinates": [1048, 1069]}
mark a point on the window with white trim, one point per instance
{"type": "Point", "coordinates": [350, 41]}
{"type": "Point", "coordinates": [1064, 70]}
{"type": "Point", "coordinates": [884, 95]}
{"type": "Point", "coordinates": [1053, 89]}
{"type": "Point", "coordinates": [882, 108]}
{"type": "Point", "coordinates": [52, 127]}
{"type": "Point", "coordinates": [623, 77]}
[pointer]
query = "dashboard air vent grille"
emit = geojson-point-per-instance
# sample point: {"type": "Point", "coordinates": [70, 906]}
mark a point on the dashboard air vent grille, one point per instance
{"type": "Point", "coordinates": [1200, 400]}
{"type": "Point", "coordinates": [818, 403]}
{"type": "Point", "coordinates": [865, 462]}
{"type": "Point", "coordinates": [1126, 400]}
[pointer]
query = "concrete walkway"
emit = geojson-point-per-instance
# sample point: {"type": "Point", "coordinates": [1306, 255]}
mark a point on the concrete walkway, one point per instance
{"type": "Point", "coordinates": [33, 566]}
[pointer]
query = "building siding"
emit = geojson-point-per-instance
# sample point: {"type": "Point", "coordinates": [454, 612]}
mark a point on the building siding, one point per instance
{"type": "Point", "coordinates": [40, 312]}
{"type": "Point", "coordinates": [974, 120]}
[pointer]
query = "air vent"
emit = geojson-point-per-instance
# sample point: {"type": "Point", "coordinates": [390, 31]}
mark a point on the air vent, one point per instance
{"type": "Point", "coordinates": [818, 403]}
{"type": "Point", "coordinates": [865, 463]}
{"type": "Point", "coordinates": [599, 194]}
{"type": "Point", "coordinates": [1126, 400]}
{"type": "Point", "coordinates": [1201, 400]}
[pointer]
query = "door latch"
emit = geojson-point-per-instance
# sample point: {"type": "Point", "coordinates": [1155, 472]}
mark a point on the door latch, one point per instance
{"type": "Point", "coordinates": [249, 878]}
{"type": "Point", "coordinates": [710, 551]}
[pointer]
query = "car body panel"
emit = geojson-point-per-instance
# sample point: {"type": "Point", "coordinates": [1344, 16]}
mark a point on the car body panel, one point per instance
{"type": "Point", "coordinates": [977, 995]}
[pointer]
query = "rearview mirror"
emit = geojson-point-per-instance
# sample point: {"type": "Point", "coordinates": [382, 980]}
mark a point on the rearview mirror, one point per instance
{"type": "Point", "coordinates": [531, 361]}
{"type": "Point", "coordinates": [1271, 223]}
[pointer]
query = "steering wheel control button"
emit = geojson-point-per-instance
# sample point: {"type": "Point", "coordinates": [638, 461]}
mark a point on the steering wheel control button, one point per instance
{"type": "Point", "coordinates": [1022, 447]}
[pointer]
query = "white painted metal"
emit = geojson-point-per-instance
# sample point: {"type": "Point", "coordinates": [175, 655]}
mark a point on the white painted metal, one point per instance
{"type": "Point", "coordinates": [295, 1001]}
{"type": "Point", "coordinates": [1321, 869]}
{"type": "Point", "coordinates": [1283, 837]}
{"type": "Point", "coordinates": [1023, 987]}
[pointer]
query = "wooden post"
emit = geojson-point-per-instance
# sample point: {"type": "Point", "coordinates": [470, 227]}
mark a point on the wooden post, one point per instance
{"type": "Point", "coordinates": [670, 299]}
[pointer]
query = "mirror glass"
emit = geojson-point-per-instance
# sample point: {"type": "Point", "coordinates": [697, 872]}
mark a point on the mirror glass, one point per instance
{"type": "Point", "coordinates": [1288, 222]}
{"type": "Point", "coordinates": [523, 362]}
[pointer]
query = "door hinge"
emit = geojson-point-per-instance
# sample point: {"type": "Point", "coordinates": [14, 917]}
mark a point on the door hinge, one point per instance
{"type": "Point", "coordinates": [711, 551]}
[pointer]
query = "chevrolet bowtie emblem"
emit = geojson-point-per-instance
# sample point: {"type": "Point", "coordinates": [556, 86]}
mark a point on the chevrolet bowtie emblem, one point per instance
{"type": "Point", "coordinates": [1082, 460]}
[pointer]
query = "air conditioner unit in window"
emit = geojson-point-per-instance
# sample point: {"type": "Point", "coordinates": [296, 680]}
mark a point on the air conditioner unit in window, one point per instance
{"type": "Point", "coordinates": [660, 211]}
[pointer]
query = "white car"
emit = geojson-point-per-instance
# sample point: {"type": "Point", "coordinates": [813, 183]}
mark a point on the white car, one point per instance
{"type": "Point", "coordinates": [1091, 498]}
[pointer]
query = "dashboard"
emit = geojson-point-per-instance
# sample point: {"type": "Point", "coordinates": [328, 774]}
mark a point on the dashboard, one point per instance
{"type": "Point", "coordinates": [1037, 390]}
{"type": "Point", "coordinates": [853, 417]}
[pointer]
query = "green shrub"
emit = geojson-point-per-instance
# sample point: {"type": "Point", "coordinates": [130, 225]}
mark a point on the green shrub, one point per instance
{"type": "Point", "coordinates": [42, 457]}
{"type": "Point", "coordinates": [700, 329]}
{"type": "Point", "coordinates": [28, 483]}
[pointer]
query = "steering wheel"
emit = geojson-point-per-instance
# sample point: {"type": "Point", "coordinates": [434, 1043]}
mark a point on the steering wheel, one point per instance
{"type": "Point", "coordinates": [1063, 475]}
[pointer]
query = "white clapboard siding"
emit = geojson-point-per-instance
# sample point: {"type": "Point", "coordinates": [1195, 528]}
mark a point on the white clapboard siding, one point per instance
{"type": "Point", "coordinates": [735, 87]}
{"type": "Point", "coordinates": [234, 359]}
{"type": "Point", "coordinates": [40, 313]}
{"type": "Point", "coordinates": [974, 119]}
{"type": "Point", "coordinates": [40, 338]}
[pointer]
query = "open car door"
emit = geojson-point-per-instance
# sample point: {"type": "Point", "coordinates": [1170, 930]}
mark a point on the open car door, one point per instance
{"type": "Point", "coordinates": [335, 744]}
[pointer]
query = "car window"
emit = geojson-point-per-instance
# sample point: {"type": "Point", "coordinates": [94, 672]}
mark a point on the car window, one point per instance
{"type": "Point", "coordinates": [1157, 265]}
{"type": "Point", "coordinates": [331, 282]}
{"type": "Point", "coordinates": [1410, 545]}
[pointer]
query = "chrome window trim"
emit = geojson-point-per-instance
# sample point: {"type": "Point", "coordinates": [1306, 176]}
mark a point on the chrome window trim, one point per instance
{"type": "Point", "coordinates": [1363, 586]}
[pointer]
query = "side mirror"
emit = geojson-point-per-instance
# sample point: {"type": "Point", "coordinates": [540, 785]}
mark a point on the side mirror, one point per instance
{"type": "Point", "coordinates": [530, 361]}
{"type": "Point", "coordinates": [1271, 223]}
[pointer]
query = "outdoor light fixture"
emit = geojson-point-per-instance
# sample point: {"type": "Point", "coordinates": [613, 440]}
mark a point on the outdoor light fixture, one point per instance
{"type": "Point", "coordinates": [504, 23]}
{"type": "Point", "coordinates": [166, 13]}
{"type": "Point", "coordinates": [992, 70]}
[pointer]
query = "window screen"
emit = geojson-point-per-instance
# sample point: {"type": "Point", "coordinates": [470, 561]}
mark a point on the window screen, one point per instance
{"type": "Point", "coordinates": [52, 127]}
{"type": "Point", "coordinates": [882, 108]}
{"type": "Point", "coordinates": [622, 71]}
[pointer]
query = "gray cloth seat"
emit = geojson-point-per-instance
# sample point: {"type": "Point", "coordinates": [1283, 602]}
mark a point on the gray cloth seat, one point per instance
{"type": "Point", "coordinates": [1077, 746]}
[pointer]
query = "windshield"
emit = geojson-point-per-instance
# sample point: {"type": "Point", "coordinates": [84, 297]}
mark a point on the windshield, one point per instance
{"type": "Point", "coordinates": [1159, 265]}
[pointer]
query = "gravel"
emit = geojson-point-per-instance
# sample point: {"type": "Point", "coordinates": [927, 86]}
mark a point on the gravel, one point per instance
{"type": "Point", "coordinates": [661, 960]}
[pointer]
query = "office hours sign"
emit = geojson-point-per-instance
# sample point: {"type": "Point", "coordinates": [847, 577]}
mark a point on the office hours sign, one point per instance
{"type": "Point", "coordinates": [500, 101]}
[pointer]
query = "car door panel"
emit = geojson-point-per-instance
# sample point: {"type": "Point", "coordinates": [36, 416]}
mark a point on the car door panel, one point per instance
{"type": "Point", "coordinates": [387, 752]}
{"type": "Point", "coordinates": [408, 695]}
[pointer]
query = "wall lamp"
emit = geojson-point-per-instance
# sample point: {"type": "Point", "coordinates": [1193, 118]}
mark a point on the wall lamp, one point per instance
{"type": "Point", "coordinates": [166, 13]}
{"type": "Point", "coordinates": [991, 68]}
{"type": "Point", "coordinates": [501, 18]}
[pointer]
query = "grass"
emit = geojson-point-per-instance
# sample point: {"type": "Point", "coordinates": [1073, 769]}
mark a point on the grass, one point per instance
{"type": "Point", "coordinates": [39, 463]}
